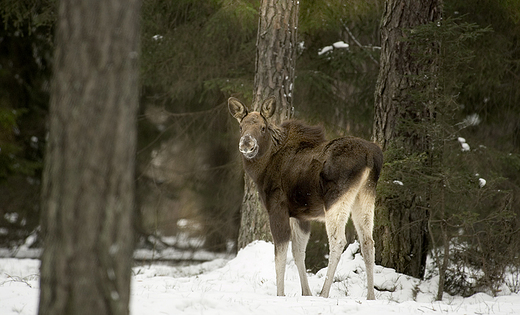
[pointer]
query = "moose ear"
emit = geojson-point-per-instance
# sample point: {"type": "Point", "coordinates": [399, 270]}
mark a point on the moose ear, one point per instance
{"type": "Point", "coordinates": [268, 107]}
{"type": "Point", "coordinates": [237, 109]}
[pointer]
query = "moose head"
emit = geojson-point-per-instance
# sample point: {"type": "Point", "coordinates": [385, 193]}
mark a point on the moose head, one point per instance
{"type": "Point", "coordinates": [255, 139]}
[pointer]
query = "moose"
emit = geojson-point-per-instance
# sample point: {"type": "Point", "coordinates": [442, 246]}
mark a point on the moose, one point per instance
{"type": "Point", "coordinates": [300, 177]}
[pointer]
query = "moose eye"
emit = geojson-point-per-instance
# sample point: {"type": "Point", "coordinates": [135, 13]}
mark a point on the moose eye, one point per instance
{"type": "Point", "coordinates": [263, 128]}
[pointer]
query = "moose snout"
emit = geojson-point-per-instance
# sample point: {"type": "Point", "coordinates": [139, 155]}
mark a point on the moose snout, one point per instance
{"type": "Point", "coordinates": [248, 146]}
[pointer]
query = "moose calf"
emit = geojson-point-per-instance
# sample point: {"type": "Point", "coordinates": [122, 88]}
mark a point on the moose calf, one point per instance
{"type": "Point", "coordinates": [301, 177]}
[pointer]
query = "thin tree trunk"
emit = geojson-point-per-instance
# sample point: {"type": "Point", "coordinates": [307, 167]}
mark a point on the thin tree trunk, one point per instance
{"type": "Point", "coordinates": [401, 233]}
{"type": "Point", "coordinates": [274, 75]}
{"type": "Point", "coordinates": [445, 260]}
{"type": "Point", "coordinates": [88, 181]}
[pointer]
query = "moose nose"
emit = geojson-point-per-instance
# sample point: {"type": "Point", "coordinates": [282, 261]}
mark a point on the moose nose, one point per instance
{"type": "Point", "coordinates": [248, 146]}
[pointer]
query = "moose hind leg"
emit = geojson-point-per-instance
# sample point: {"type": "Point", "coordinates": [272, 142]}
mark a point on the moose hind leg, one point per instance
{"type": "Point", "coordinates": [335, 220]}
{"type": "Point", "coordinates": [363, 217]}
{"type": "Point", "coordinates": [300, 232]}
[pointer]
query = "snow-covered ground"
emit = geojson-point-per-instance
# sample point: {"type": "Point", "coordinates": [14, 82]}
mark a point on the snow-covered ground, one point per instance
{"type": "Point", "coordinates": [246, 285]}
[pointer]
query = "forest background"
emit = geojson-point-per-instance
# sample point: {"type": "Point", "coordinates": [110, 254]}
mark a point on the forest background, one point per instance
{"type": "Point", "coordinates": [195, 54]}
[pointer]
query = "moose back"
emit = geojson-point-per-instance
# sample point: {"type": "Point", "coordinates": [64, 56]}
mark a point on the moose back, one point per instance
{"type": "Point", "coordinates": [302, 177]}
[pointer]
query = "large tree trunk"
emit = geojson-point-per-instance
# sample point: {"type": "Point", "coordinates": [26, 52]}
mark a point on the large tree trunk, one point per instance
{"type": "Point", "coordinates": [275, 63]}
{"type": "Point", "coordinates": [401, 231]}
{"type": "Point", "coordinates": [88, 181]}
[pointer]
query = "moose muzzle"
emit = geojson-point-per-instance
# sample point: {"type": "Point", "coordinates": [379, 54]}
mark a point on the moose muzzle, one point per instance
{"type": "Point", "coordinates": [248, 146]}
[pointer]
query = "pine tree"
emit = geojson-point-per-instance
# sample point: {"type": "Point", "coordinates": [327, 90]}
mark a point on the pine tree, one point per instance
{"type": "Point", "coordinates": [274, 76]}
{"type": "Point", "coordinates": [401, 227]}
{"type": "Point", "coordinates": [88, 182]}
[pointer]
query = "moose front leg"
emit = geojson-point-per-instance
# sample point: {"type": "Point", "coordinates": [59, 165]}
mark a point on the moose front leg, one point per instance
{"type": "Point", "coordinates": [281, 231]}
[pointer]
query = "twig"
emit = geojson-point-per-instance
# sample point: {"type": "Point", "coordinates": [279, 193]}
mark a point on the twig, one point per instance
{"type": "Point", "coordinates": [17, 279]}
{"type": "Point", "coordinates": [357, 42]}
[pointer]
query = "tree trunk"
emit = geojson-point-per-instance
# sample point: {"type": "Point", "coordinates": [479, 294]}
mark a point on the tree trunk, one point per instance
{"type": "Point", "coordinates": [401, 232]}
{"type": "Point", "coordinates": [88, 181]}
{"type": "Point", "coordinates": [275, 62]}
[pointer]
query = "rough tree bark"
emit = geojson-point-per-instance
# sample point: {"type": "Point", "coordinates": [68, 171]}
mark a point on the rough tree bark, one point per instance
{"type": "Point", "coordinates": [88, 181]}
{"type": "Point", "coordinates": [401, 233]}
{"type": "Point", "coordinates": [274, 75]}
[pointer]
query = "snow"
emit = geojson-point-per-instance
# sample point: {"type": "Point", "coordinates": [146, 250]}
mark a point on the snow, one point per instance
{"type": "Point", "coordinates": [471, 120]}
{"type": "Point", "coordinates": [465, 146]}
{"type": "Point", "coordinates": [337, 45]}
{"type": "Point", "coordinates": [325, 49]}
{"type": "Point", "coordinates": [246, 285]}
{"type": "Point", "coordinates": [340, 44]}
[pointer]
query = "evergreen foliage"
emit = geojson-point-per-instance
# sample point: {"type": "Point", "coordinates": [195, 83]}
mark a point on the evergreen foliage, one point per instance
{"type": "Point", "coordinates": [199, 45]}
{"type": "Point", "coordinates": [469, 218]}
{"type": "Point", "coordinates": [25, 59]}
{"type": "Point", "coordinates": [336, 87]}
